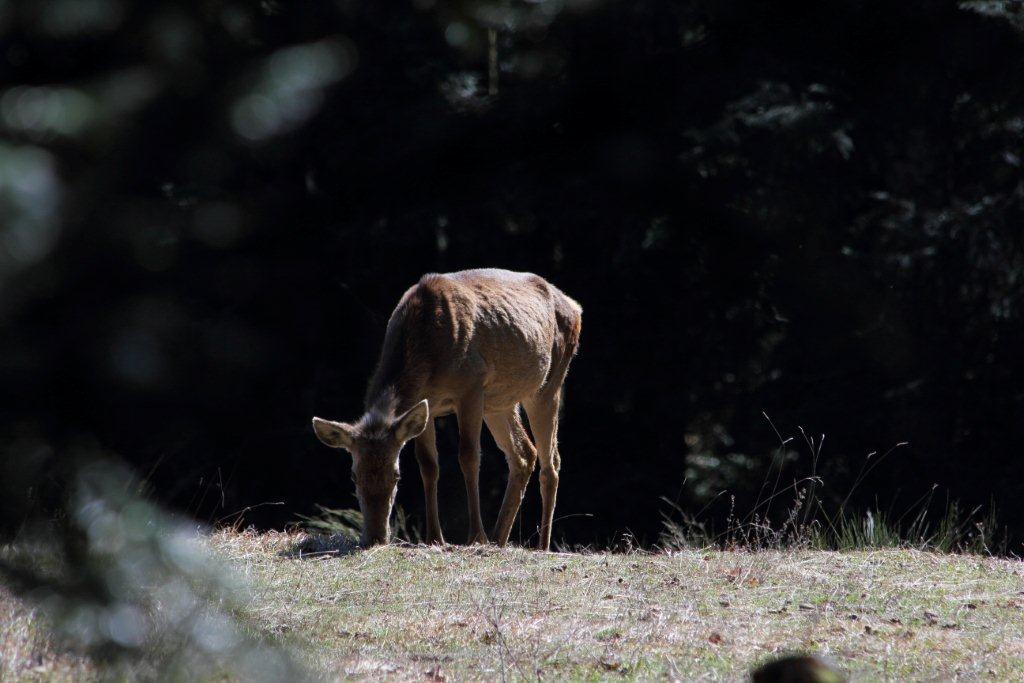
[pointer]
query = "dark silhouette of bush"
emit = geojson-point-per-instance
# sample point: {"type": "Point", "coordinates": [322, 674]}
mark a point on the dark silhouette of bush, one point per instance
{"type": "Point", "coordinates": [806, 209]}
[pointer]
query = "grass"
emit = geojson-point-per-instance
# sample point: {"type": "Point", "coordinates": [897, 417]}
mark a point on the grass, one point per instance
{"type": "Point", "coordinates": [805, 519]}
{"type": "Point", "coordinates": [457, 613]}
{"type": "Point", "coordinates": [26, 652]}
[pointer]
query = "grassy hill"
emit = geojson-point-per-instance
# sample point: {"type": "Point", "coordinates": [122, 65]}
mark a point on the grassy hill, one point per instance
{"type": "Point", "coordinates": [456, 613]}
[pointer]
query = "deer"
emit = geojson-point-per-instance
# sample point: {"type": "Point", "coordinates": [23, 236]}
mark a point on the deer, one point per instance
{"type": "Point", "coordinates": [480, 344]}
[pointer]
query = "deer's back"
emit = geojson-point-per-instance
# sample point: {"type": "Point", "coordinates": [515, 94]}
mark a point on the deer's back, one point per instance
{"type": "Point", "coordinates": [503, 328]}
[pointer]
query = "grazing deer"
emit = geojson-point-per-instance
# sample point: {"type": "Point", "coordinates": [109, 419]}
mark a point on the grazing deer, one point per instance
{"type": "Point", "coordinates": [477, 343]}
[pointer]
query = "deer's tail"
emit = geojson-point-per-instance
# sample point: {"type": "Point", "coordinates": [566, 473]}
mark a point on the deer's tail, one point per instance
{"type": "Point", "coordinates": [569, 319]}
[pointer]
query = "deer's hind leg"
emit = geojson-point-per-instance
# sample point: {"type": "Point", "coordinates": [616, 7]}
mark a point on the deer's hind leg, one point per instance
{"type": "Point", "coordinates": [511, 437]}
{"type": "Point", "coordinates": [543, 413]}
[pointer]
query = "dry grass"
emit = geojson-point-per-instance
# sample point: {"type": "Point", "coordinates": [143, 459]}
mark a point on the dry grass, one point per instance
{"type": "Point", "coordinates": [26, 654]}
{"type": "Point", "coordinates": [416, 613]}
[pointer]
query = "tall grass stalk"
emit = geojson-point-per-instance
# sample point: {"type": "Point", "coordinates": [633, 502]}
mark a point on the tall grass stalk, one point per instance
{"type": "Point", "coordinates": [810, 523]}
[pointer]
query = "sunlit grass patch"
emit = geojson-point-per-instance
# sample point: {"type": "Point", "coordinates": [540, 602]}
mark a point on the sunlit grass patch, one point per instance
{"type": "Point", "coordinates": [404, 612]}
{"type": "Point", "coordinates": [483, 613]}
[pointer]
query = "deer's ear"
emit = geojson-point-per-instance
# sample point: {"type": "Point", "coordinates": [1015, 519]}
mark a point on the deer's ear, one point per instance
{"type": "Point", "coordinates": [334, 434]}
{"type": "Point", "coordinates": [413, 422]}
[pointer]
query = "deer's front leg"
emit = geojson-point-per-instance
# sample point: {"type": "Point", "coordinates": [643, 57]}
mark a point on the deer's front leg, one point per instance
{"type": "Point", "coordinates": [470, 415]}
{"type": "Point", "coordinates": [426, 456]}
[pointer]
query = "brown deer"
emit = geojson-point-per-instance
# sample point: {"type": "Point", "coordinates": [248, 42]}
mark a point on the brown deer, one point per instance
{"type": "Point", "coordinates": [477, 343]}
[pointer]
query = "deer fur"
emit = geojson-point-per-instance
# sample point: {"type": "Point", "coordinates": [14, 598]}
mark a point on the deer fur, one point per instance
{"type": "Point", "coordinates": [479, 344]}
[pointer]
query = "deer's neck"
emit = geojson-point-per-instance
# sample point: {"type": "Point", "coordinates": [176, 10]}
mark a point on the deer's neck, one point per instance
{"type": "Point", "coordinates": [391, 400]}
{"type": "Point", "coordinates": [394, 387]}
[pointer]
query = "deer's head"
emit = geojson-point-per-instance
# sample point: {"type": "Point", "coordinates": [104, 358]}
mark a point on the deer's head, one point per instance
{"type": "Point", "coordinates": [374, 443]}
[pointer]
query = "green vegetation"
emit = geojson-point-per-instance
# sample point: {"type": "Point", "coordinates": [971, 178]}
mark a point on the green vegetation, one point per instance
{"type": "Point", "coordinates": [805, 519]}
{"type": "Point", "coordinates": [975, 532]}
{"type": "Point", "coordinates": [413, 612]}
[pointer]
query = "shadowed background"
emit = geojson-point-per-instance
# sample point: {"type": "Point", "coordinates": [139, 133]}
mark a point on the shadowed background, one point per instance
{"type": "Point", "coordinates": [209, 209]}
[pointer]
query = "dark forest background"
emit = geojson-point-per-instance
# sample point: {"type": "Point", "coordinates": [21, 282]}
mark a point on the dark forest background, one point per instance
{"type": "Point", "coordinates": [806, 210]}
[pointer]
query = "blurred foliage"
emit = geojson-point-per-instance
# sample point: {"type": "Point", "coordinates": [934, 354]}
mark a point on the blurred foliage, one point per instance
{"type": "Point", "coordinates": [124, 583]}
{"type": "Point", "coordinates": [208, 209]}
